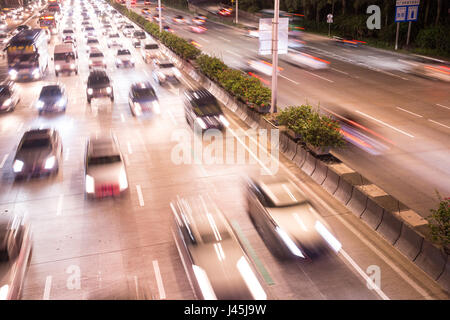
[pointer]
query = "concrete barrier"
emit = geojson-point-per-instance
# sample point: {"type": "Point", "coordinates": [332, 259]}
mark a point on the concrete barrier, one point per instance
{"type": "Point", "coordinates": [310, 164]}
{"type": "Point", "coordinates": [358, 202]}
{"type": "Point", "coordinates": [344, 191]}
{"type": "Point", "coordinates": [444, 279]}
{"type": "Point", "coordinates": [320, 174]}
{"type": "Point", "coordinates": [373, 214]}
{"type": "Point", "coordinates": [431, 260]}
{"type": "Point", "coordinates": [409, 243]}
{"type": "Point", "coordinates": [300, 156]}
{"type": "Point", "coordinates": [291, 149]}
{"type": "Point", "coordinates": [390, 227]}
{"type": "Point", "coordinates": [331, 182]}
{"type": "Point", "coordinates": [284, 140]}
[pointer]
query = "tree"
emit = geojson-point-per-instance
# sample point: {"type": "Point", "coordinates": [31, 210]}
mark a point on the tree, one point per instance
{"type": "Point", "coordinates": [439, 222]}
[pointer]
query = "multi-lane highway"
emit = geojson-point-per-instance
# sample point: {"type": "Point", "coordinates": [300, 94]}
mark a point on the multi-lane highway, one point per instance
{"type": "Point", "coordinates": [408, 115]}
{"type": "Point", "coordinates": [123, 248]}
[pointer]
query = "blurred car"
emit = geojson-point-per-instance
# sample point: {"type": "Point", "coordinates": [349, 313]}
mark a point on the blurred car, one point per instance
{"type": "Point", "coordinates": [156, 17]}
{"type": "Point", "coordinates": [97, 59]}
{"type": "Point", "coordinates": [124, 58]}
{"type": "Point", "coordinates": [4, 39]}
{"type": "Point", "coordinates": [3, 25]}
{"type": "Point", "coordinates": [225, 12]}
{"type": "Point", "coordinates": [147, 3]}
{"type": "Point", "coordinates": [214, 261]}
{"type": "Point", "coordinates": [9, 96]}
{"type": "Point", "coordinates": [142, 99]}
{"type": "Point", "coordinates": [150, 51]}
{"type": "Point", "coordinates": [22, 27]}
{"type": "Point", "coordinates": [139, 34]}
{"type": "Point", "coordinates": [197, 29]}
{"type": "Point", "coordinates": [15, 255]}
{"type": "Point", "coordinates": [178, 19]}
{"type": "Point", "coordinates": [260, 66]}
{"type": "Point", "coordinates": [429, 69]}
{"type": "Point", "coordinates": [99, 85]}
{"type": "Point", "coordinates": [105, 173]}
{"type": "Point", "coordinates": [53, 98]}
{"type": "Point", "coordinates": [201, 109]}
{"type": "Point", "coordinates": [91, 43]}
{"type": "Point", "coordinates": [198, 20]}
{"type": "Point", "coordinates": [128, 30]}
{"type": "Point", "coordinates": [305, 60]}
{"type": "Point", "coordinates": [114, 41]}
{"type": "Point", "coordinates": [70, 40]}
{"type": "Point", "coordinates": [295, 44]}
{"type": "Point", "coordinates": [145, 11]}
{"type": "Point", "coordinates": [165, 72]}
{"type": "Point", "coordinates": [286, 220]}
{"type": "Point", "coordinates": [68, 32]}
{"type": "Point", "coordinates": [39, 152]}
{"type": "Point", "coordinates": [252, 32]}
{"type": "Point", "coordinates": [168, 29]}
{"type": "Point", "coordinates": [348, 41]}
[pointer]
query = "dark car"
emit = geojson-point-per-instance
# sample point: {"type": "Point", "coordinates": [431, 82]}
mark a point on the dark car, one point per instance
{"type": "Point", "coordinates": [212, 256]}
{"type": "Point", "coordinates": [139, 34]}
{"type": "Point", "coordinates": [202, 110]}
{"type": "Point", "coordinates": [15, 255]}
{"type": "Point", "coordinates": [22, 27]}
{"type": "Point", "coordinates": [53, 98]}
{"type": "Point", "coordinates": [286, 220]}
{"type": "Point", "coordinates": [142, 98]}
{"type": "Point", "coordinates": [348, 40]}
{"type": "Point", "coordinates": [39, 152]}
{"type": "Point", "coordinates": [9, 96]}
{"type": "Point", "coordinates": [99, 85]}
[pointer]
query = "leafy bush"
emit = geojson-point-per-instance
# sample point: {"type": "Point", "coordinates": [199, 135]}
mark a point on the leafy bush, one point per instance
{"type": "Point", "coordinates": [434, 38]}
{"type": "Point", "coordinates": [315, 129]}
{"type": "Point", "coordinates": [439, 222]}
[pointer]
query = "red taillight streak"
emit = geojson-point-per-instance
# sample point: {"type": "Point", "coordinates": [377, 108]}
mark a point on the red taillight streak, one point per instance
{"type": "Point", "coordinates": [356, 139]}
{"type": "Point", "coordinates": [258, 77]}
{"type": "Point", "coordinates": [269, 64]}
{"type": "Point", "coordinates": [318, 59]}
{"type": "Point", "coordinates": [437, 69]}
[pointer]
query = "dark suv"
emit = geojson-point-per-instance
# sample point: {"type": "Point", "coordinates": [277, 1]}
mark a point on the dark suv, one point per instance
{"type": "Point", "coordinates": [202, 109]}
{"type": "Point", "coordinates": [99, 85]}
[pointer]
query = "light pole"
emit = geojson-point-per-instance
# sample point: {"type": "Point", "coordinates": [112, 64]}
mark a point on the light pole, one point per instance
{"type": "Point", "coordinates": [237, 11]}
{"type": "Point", "coordinates": [160, 21]}
{"type": "Point", "coordinates": [276, 13]}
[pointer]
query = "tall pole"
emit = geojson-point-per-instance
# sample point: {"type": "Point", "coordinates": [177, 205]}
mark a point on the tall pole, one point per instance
{"type": "Point", "coordinates": [409, 33]}
{"type": "Point", "coordinates": [276, 13]}
{"type": "Point", "coordinates": [396, 36]}
{"type": "Point", "coordinates": [237, 11]}
{"type": "Point", "coordinates": [160, 21]}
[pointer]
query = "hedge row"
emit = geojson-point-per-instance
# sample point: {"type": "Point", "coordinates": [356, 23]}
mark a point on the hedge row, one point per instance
{"type": "Point", "coordinates": [247, 89]}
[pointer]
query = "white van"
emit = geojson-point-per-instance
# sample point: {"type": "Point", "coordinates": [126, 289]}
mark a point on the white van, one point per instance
{"type": "Point", "coordinates": [65, 59]}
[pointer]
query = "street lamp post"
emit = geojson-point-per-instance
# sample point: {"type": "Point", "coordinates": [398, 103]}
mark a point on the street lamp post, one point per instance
{"type": "Point", "coordinates": [160, 21]}
{"type": "Point", "coordinates": [276, 13]}
{"type": "Point", "coordinates": [237, 11]}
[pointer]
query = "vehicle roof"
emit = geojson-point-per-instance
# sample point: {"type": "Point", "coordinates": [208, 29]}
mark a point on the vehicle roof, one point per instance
{"type": "Point", "coordinates": [198, 94]}
{"type": "Point", "coordinates": [141, 85]}
{"type": "Point", "coordinates": [280, 190]}
{"type": "Point", "coordinates": [62, 48]}
{"type": "Point", "coordinates": [103, 145]}
{"type": "Point", "coordinates": [38, 133]}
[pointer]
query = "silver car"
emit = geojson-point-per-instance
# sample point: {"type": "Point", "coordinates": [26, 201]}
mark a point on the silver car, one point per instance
{"type": "Point", "coordinates": [105, 172]}
{"type": "Point", "coordinates": [286, 220]}
{"type": "Point", "coordinates": [53, 98]}
{"type": "Point", "coordinates": [212, 256]}
{"type": "Point", "coordinates": [15, 255]}
{"type": "Point", "coordinates": [165, 72]}
{"type": "Point", "coordinates": [9, 96]}
{"type": "Point", "coordinates": [39, 152]}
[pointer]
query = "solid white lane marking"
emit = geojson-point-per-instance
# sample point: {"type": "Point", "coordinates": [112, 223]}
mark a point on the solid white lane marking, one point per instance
{"type": "Point", "coordinates": [19, 127]}
{"type": "Point", "coordinates": [439, 123]}
{"type": "Point", "coordinates": [329, 209]}
{"type": "Point", "coordinates": [66, 157]}
{"type": "Point", "coordinates": [48, 285]}
{"type": "Point", "coordinates": [363, 274]}
{"type": "Point", "coordinates": [288, 79]}
{"type": "Point", "coordinates": [224, 39]}
{"type": "Point", "coordinates": [130, 151]}
{"type": "Point", "coordinates": [127, 160]}
{"type": "Point", "coordinates": [384, 123]}
{"type": "Point", "coordinates": [203, 39]}
{"type": "Point", "coordinates": [441, 105]}
{"type": "Point", "coordinates": [159, 282]}
{"type": "Point", "coordinates": [414, 114]}
{"type": "Point", "coordinates": [234, 53]}
{"type": "Point", "coordinates": [172, 117]}
{"type": "Point", "coordinates": [4, 160]}
{"type": "Point", "coordinates": [141, 198]}
{"type": "Point", "coordinates": [122, 117]}
{"type": "Point", "coordinates": [60, 204]}
{"type": "Point", "coordinates": [340, 71]}
{"type": "Point", "coordinates": [319, 76]}
{"type": "Point", "coordinates": [136, 285]}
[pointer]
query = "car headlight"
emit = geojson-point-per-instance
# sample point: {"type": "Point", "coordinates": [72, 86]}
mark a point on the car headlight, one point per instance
{"type": "Point", "coordinates": [12, 73]}
{"type": "Point", "coordinates": [4, 290]}
{"type": "Point", "coordinates": [132, 60]}
{"type": "Point", "coordinates": [118, 61]}
{"type": "Point", "coordinates": [50, 162]}
{"type": "Point", "coordinates": [156, 107]}
{"type": "Point", "coordinates": [108, 90]}
{"type": "Point", "coordinates": [201, 123]}
{"type": "Point", "coordinates": [72, 66]}
{"type": "Point", "coordinates": [40, 104]}
{"type": "Point", "coordinates": [289, 242]}
{"type": "Point", "coordinates": [224, 121]}
{"type": "Point", "coordinates": [17, 166]}
{"type": "Point", "coordinates": [176, 72]}
{"type": "Point", "coordinates": [90, 91]}
{"type": "Point", "coordinates": [250, 279]}
{"type": "Point", "coordinates": [7, 102]}
{"type": "Point", "coordinates": [104, 61]}
{"type": "Point", "coordinates": [162, 75]}
{"type": "Point", "coordinates": [90, 61]}
{"type": "Point", "coordinates": [123, 182]}
{"type": "Point", "coordinates": [35, 71]}
{"type": "Point", "coordinates": [204, 283]}
{"type": "Point", "coordinates": [61, 102]}
{"type": "Point", "coordinates": [89, 184]}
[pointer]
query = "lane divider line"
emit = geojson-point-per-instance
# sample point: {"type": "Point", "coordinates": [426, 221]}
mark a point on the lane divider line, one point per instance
{"type": "Point", "coordinates": [60, 204]}
{"type": "Point", "coordinates": [319, 76]}
{"type": "Point", "coordinates": [139, 192]}
{"type": "Point", "coordinates": [441, 105]}
{"type": "Point", "coordinates": [48, 285]}
{"type": "Point", "coordinates": [289, 79]}
{"type": "Point", "coordinates": [159, 282]}
{"type": "Point", "coordinates": [4, 160]}
{"type": "Point", "coordinates": [443, 125]}
{"type": "Point", "coordinates": [407, 111]}
{"type": "Point", "coordinates": [384, 123]}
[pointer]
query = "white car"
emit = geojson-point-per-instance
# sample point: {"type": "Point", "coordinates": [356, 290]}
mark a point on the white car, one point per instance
{"type": "Point", "coordinates": [97, 59]}
{"type": "Point", "coordinates": [165, 71]}
{"type": "Point", "coordinates": [305, 60]}
{"type": "Point", "coordinates": [124, 58]}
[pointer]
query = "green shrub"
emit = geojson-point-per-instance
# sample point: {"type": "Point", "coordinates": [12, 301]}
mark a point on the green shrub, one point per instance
{"type": "Point", "coordinates": [439, 222]}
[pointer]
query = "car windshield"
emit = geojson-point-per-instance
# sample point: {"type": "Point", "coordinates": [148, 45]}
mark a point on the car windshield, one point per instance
{"type": "Point", "coordinates": [4, 92]}
{"type": "Point", "coordinates": [166, 65]}
{"type": "Point", "coordinates": [96, 54]}
{"type": "Point", "coordinates": [98, 79]}
{"type": "Point", "coordinates": [144, 93]}
{"type": "Point", "coordinates": [104, 160]}
{"type": "Point", "coordinates": [115, 35]}
{"type": "Point", "coordinates": [36, 143]}
{"type": "Point", "coordinates": [206, 107]}
{"type": "Point", "coordinates": [123, 52]}
{"type": "Point", "coordinates": [281, 194]}
{"type": "Point", "coordinates": [151, 46]}
{"type": "Point", "coordinates": [50, 91]}
{"type": "Point", "coordinates": [68, 31]}
{"type": "Point", "coordinates": [92, 41]}
{"type": "Point", "coordinates": [129, 26]}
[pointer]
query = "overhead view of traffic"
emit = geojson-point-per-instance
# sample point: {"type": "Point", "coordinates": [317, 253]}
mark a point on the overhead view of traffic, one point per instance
{"type": "Point", "coordinates": [125, 177]}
